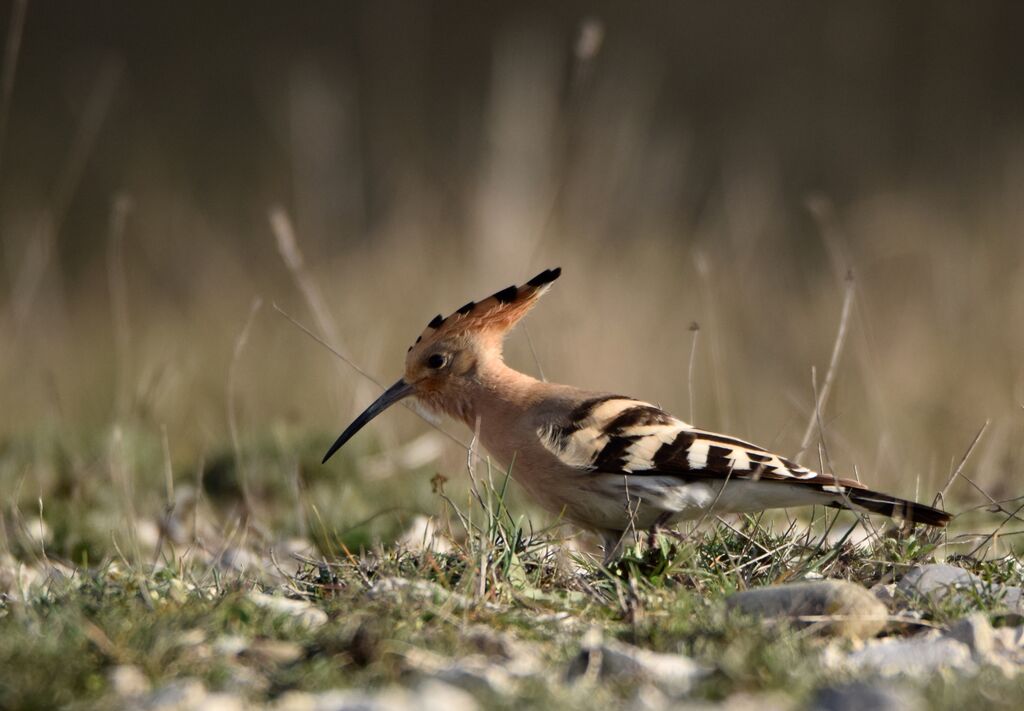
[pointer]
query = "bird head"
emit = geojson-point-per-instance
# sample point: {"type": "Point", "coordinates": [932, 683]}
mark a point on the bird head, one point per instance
{"type": "Point", "coordinates": [442, 365]}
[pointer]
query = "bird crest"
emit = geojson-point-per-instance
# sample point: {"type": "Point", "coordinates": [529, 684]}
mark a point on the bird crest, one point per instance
{"type": "Point", "coordinates": [491, 318]}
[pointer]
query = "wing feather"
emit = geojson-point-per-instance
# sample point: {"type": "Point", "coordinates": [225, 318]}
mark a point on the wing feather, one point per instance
{"type": "Point", "coordinates": [612, 434]}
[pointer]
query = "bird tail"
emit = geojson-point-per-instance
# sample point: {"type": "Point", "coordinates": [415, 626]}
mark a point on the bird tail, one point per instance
{"type": "Point", "coordinates": [893, 507]}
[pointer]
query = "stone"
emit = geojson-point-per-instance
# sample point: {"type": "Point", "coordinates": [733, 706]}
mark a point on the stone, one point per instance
{"type": "Point", "coordinates": [37, 531]}
{"type": "Point", "coordinates": [1009, 639]}
{"type": "Point", "coordinates": [178, 695]}
{"type": "Point", "coordinates": [976, 632]}
{"type": "Point", "coordinates": [230, 645]}
{"type": "Point", "coordinates": [1013, 599]}
{"type": "Point", "coordinates": [673, 674]}
{"type": "Point", "coordinates": [301, 611]}
{"type": "Point", "coordinates": [835, 607]}
{"type": "Point", "coordinates": [917, 657]}
{"type": "Point", "coordinates": [423, 536]}
{"type": "Point", "coordinates": [240, 560]}
{"type": "Point", "coordinates": [431, 695]}
{"type": "Point", "coordinates": [221, 701]}
{"type": "Point", "coordinates": [938, 580]}
{"type": "Point", "coordinates": [474, 673]}
{"type": "Point", "coordinates": [127, 680]}
{"type": "Point", "coordinates": [861, 695]}
{"type": "Point", "coordinates": [426, 591]}
{"type": "Point", "coordinates": [273, 651]}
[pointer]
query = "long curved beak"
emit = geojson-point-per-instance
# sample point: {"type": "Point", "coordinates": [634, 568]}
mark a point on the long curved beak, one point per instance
{"type": "Point", "coordinates": [389, 397]}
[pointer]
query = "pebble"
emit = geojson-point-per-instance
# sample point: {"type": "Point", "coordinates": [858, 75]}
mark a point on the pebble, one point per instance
{"type": "Point", "coordinates": [937, 580]}
{"type": "Point", "coordinates": [127, 680]}
{"type": "Point", "coordinates": [837, 607]}
{"type": "Point", "coordinates": [474, 673]}
{"type": "Point", "coordinates": [976, 632]}
{"type": "Point", "coordinates": [424, 536]}
{"type": "Point", "coordinates": [180, 694]}
{"type": "Point", "coordinates": [303, 612]}
{"type": "Point", "coordinates": [273, 651]}
{"type": "Point", "coordinates": [431, 695]}
{"type": "Point", "coordinates": [918, 656]}
{"type": "Point", "coordinates": [673, 674]}
{"type": "Point", "coordinates": [861, 695]}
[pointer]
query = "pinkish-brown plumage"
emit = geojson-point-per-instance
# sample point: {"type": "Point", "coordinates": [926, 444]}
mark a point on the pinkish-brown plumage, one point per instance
{"type": "Point", "coordinates": [607, 463]}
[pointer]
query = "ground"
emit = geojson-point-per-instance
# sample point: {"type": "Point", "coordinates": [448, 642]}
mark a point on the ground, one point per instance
{"type": "Point", "coordinates": [208, 604]}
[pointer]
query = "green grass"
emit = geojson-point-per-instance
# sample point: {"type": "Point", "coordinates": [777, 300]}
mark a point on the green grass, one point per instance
{"type": "Point", "coordinates": [111, 606]}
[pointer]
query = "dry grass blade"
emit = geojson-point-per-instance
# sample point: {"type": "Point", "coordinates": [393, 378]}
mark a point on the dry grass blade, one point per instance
{"type": "Point", "coordinates": [288, 247]}
{"type": "Point", "coordinates": [11, 52]}
{"type": "Point", "coordinates": [355, 367]}
{"type": "Point", "coordinates": [240, 342]}
{"type": "Point", "coordinates": [118, 284]}
{"type": "Point", "coordinates": [941, 496]}
{"type": "Point", "coordinates": [833, 365]}
{"type": "Point", "coordinates": [695, 330]}
{"type": "Point", "coordinates": [40, 249]}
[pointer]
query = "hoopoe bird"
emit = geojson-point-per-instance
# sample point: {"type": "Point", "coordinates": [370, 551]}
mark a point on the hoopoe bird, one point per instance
{"type": "Point", "coordinates": [608, 463]}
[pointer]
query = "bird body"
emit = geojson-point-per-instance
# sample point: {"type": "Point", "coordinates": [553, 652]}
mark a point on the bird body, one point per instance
{"type": "Point", "coordinates": [607, 463]}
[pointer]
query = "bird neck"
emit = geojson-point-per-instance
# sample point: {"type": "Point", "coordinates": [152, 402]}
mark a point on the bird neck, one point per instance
{"type": "Point", "coordinates": [496, 391]}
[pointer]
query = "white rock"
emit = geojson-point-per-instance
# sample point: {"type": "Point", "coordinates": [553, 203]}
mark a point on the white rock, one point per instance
{"type": "Point", "coordinates": [221, 702]}
{"type": "Point", "coordinates": [918, 656]}
{"type": "Point", "coordinates": [241, 560]}
{"type": "Point", "coordinates": [147, 533]}
{"type": "Point", "coordinates": [178, 695]}
{"type": "Point", "coordinates": [303, 612]}
{"type": "Point", "coordinates": [274, 651]}
{"type": "Point", "coordinates": [1013, 598]}
{"type": "Point", "coordinates": [230, 645]}
{"type": "Point", "coordinates": [836, 607]}
{"type": "Point", "coordinates": [475, 673]}
{"type": "Point", "coordinates": [429, 696]}
{"type": "Point", "coordinates": [38, 531]}
{"type": "Point", "coordinates": [674, 674]}
{"type": "Point", "coordinates": [976, 632]}
{"type": "Point", "coordinates": [425, 590]}
{"type": "Point", "coordinates": [424, 536]}
{"type": "Point", "coordinates": [938, 580]}
{"type": "Point", "coordinates": [1009, 639]}
{"type": "Point", "coordinates": [128, 680]}
{"type": "Point", "coordinates": [16, 578]}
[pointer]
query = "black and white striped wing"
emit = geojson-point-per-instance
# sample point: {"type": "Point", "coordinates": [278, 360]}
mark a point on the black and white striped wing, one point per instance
{"type": "Point", "coordinates": [619, 435]}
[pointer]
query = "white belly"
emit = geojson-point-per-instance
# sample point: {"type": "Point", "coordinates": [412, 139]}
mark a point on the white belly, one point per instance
{"type": "Point", "coordinates": [615, 502]}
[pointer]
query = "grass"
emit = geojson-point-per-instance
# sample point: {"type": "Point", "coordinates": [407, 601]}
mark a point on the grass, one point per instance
{"type": "Point", "coordinates": [101, 603]}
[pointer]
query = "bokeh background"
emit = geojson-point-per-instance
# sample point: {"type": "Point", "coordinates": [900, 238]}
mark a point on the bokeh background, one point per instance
{"type": "Point", "coordinates": [169, 172]}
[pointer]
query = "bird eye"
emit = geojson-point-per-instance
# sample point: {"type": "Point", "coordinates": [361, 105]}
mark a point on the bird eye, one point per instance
{"type": "Point", "coordinates": [436, 361]}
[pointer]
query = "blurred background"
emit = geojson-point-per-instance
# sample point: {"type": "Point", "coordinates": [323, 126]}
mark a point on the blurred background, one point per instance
{"type": "Point", "coordinates": [170, 172]}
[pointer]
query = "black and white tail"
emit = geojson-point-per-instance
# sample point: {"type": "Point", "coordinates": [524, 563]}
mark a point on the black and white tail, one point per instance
{"type": "Point", "coordinates": [886, 505]}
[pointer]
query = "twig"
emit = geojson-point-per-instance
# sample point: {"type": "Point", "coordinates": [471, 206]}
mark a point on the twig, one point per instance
{"type": "Point", "coordinates": [989, 537]}
{"type": "Point", "coordinates": [118, 285]}
{"type": "Point", "coordinates": [352, 364]}
{"type": "Point", "coordinates": [11, 52]}
{"type": "Point", "coordinates": [706, 282]}
{"type": "Point", "coordinates": [695, 330]}
{"type": "Point", "coordinates": [169, 493]}
{"type": "Point", "coordinates": [941, 496]}
{"type": "Point", "coordinates": [533, 352]}
{"type": "Point", "coordinates": [40, 249]}
{"type": "Point", "coordinates": [240, 342]}
{"type": "Point", "coordinates": [288, 247]}
{"type": "Point", "coordinates": [837, 350]}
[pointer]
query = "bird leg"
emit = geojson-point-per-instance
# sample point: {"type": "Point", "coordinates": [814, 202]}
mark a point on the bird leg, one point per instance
{"type": "Point", "coordinates": [611, 541]}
